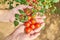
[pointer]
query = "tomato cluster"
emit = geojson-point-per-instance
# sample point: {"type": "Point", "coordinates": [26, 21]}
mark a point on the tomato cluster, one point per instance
{"type": "Point", "coordinates": [31, 25]}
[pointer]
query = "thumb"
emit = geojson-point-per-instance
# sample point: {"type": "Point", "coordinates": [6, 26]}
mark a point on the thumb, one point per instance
{"type": "Point", "coordinates": [34, 35]}
{"type": "Point", "coordinates": [20, 29]}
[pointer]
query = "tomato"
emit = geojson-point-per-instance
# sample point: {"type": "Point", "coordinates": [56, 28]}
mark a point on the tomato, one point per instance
{"type": "Point", "coordinates": [31, 4]}
{"type": "Point", "coordinates": [33, 21]}
{"type": "Point", "coordinates": [21, 16]}
{"type": "Point", "coordinates": [28, 29]}
{"type": "Point", "coordinates": [33, 16]}
{"type": "Point", "coordinates": [32, 26]}
{"type": "Point", "coordinates": [27, 11]}
{"type": "Point", "coordinates": [29, 17]}
{"type": "Point", "coordinates": [37, 25]}
{"type": "Point", "coordinates": [28, 0]}
{"type": "Point", "coordinates": [35, 1]}
{"type": "Point", "coordinates": [27, 24]}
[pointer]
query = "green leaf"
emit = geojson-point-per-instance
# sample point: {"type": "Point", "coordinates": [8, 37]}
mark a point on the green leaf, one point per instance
{"type": "Point", "coordinates": [53, 10]}
{"type": "Point", "coordinates": [26, 18]}
{"type": "Point", "coordinates": [17, 15]}
{"type": "Point", "coordinates": [17, 4]}
{"type": "Point", "coordinates": [21, 1]}
{"type": "Point", "coordinates": [42, 0]}
{"type": "Point", "coordinates": [22, 20]}
{"type": "Point", "coordinates": [10, 6]}
{"type": "Point", "coordinates": [40, 3]}
{"type": "Point", "coordinates": [46, 6]}
{"type": "Point", "coordinates": [16, 23]}
{"type": "Point", "coordinates": [22, 12]}
{"type": "Point", "coordinates": [55, 1]}
{"type": "Point", "coordinates": [42, 10]}
{"type": "Point", "coordinates": [43, 28]}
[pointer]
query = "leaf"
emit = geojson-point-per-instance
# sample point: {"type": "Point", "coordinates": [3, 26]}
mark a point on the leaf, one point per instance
{"type": "Point", "coordinates": [16, 23]}
{"type": "Point", "coordinates": [10, 7]}
{"type": "Point", "coordinates": [55, 1]}
{"type": "Point", "coordinates": [43, 28]}
{"type": "Point", "coordinates": [22, 12]}
{"type": "Point", "coordinates": [17, 15]}
{"type": "Point", "coordinates": [21, 1]}
{"type": "Point", "coordinates": [46, 6]}
{"type": "Point", "coordinates": [22, 20]}
{"type": "Point", "coordinates": [42, 10]}
{"type": "Point", "coordinates": [40, 3]}
{"type": "Point", "coordinates": [42, 0]}
{"type": "Point", "coordinates": [26, 18]}
{"type": "Point", "coordinates": [53, 10]}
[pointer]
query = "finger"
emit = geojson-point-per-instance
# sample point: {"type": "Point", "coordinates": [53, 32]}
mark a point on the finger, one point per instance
{"type": "Point", "coordinates": [44, 17]}
{"type": "Point", "coordinates": [38, 29]}
{"type": "Point", "coordinates": [34, 35]}
{"type": "Point", "coordinates": [23, 6]}
{"type": "Point", "coordinates": [20, 29]}
{"type": "Point", "coordinates": [40, 20]}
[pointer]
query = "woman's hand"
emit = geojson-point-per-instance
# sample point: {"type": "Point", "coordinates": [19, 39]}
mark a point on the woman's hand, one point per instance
{"type": "Point", "coordinates": [19, 33]}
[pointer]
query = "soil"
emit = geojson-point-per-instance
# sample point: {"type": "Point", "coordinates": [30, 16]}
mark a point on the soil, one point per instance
{"type": "Point", "coordinates": [50, 32]}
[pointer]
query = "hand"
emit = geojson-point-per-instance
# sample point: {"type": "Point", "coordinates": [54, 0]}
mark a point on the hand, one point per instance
{"type": "Point", "coordinates": [19, 34]}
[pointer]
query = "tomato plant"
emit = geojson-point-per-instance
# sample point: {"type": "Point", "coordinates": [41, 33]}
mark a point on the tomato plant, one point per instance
{"type": "Point", "coordinates": [27, 11]}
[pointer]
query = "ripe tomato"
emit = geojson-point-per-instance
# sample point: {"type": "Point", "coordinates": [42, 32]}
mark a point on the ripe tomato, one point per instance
{"type": "Point", "coordinates": [32, 26]}
{"type": "Point", "coordinates": [27, 24]}
{"type": "Point", "coordinates": [33, 21]}
{"type": "Point", "coordinates": [28, 0]}
{"type": "Point", "coordinates": [33, 16]}
{"type": "Point", "coordinates": [35, 1]}
{"type": "Point", "coordinates": [28, 29]}
{"type": "Point", "coordinates": [37, 25]}
{"type": "Point", "coordinates": [27, 11]}
{"type": "Point", "coordinates": [29, 17]}
{"type": "Point", "coordinates": [31, 4]}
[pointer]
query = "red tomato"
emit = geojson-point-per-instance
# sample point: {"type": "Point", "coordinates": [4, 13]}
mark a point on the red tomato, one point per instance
{"type": "Point", "coordinates": [35, 1]}
{"type": "Point", "coordinates": [28, 29]}
{"type": "Point", "coordinates": [27, 24]}
{"type": "Point", "coordinates": [27, 11]}
{"type": "Point", "coordinates": [29, 17]}
{"type": "Point", "coordinates": [33, 21]}
{"type": "Point", "coordinates": [37, 25]}
{"type": "Point", "coordinates": [32, 26]}
{"type": "Point", "coordinates": [31, 4]}
{"type": "Point", "coordinates": [28, 0]}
